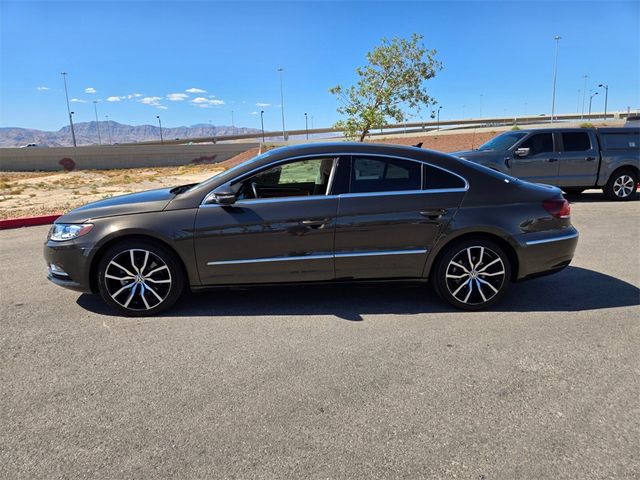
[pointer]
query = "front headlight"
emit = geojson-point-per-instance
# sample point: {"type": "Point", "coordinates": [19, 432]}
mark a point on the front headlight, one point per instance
{"type": "Point", "coordinates": [68, 231]}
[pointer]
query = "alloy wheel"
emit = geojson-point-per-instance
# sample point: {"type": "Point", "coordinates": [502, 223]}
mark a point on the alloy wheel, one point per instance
{"type": "Point", "coordinates": [623, 186]}
{"type": "Point", "coordinates": [137, 279]}
{"type": "Point", "coordinates": [475, 275]}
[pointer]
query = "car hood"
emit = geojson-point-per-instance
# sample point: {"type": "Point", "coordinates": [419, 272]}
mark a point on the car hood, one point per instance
{"type": "Point", "coordinates": [141, 202]}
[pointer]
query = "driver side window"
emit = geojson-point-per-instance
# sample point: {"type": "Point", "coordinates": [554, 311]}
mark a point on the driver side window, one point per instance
{"type": "Point", "coordinates": [539, 143]}
{"type": "Point", "coordinates": [295, 179]}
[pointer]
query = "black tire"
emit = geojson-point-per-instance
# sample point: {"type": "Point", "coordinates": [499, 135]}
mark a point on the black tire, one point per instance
{"type": "Point", "coordinates": [622, 185]}
{"type": "Point", "coordinates": [476, 295]}
{"type": "Point", "coordinates": [157, 288]}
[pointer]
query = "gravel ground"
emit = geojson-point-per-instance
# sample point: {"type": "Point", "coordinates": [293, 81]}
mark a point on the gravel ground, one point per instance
{"type": "Point", "coordinates": [332, 382]}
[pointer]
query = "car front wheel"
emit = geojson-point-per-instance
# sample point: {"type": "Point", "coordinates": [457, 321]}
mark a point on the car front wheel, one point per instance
{"type": "Point", "coordinates": [622, 185]}
{"type": "Point", "coordinates": [140, 278]}
{"type": "Point", "coordinates": [472, 274]}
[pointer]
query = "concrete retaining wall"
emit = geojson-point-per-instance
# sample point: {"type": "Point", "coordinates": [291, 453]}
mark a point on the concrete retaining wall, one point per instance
{"type": "Point", "coordinates": [116, 156]}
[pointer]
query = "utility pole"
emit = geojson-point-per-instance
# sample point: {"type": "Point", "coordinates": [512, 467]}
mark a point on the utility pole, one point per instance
{"type": "Point", "coordinates": [590, 99]}
{"type": "Point", "coordinates": [284, 137]}
{"type": "Point", "coordinates": [555, 74]}
{"type": "Point", "coordinates": [606, 98]}
{"type": "Point", "coordinates": [262, 123]}
{"type": "Point", "coordinates": [439, 108]}
{"type": "Point", "coordinates": [95, 109]}
{"type": "Point", "coordinates": [160, 123]}
{"type": "Point", "coordinates": [66, 94]}
{"type": "Point", "coordinates": [306, 124]}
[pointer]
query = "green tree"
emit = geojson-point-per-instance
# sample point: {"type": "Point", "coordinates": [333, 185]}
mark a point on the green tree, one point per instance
{"type": "Point", "coordinates": [393, 79]}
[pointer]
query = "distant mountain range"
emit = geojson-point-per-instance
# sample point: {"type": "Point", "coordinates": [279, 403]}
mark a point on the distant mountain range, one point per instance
{"type": "Point", "coordinates": [110, 132]}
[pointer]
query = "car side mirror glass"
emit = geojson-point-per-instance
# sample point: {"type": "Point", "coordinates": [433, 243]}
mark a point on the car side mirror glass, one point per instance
{"type": "Point", "coordinates": [522, 152]}
{"type": "Point", "coordinates": [224, 196]}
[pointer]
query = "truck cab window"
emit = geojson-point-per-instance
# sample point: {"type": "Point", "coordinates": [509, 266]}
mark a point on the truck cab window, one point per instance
{"type": "Point", "coordinates": [576, 141]}
{"type": "Point", "coordinates": [539, 143]}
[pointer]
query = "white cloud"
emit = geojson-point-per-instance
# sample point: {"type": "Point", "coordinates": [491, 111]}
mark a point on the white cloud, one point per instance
{"type": "Point", "coordinates": [195, 90]}
{"type": "Point", "coordinates": [177, 97]}
{"type": "Point", "coordinates": [204, 102]}
{"type": "Point", "coordinates": [89, 90]}
{"type": "Point", "coordinates": [114, 99]}
{"type": "Point", "coordinates": [43, 88]}
{"type": "Point", "coordinates": [254, 113]}
{"type": "Point", "coordinates": [259, 104]}
{"type": "Point", "coordinates": [162, 107]}
{"type": "Point", "coordinates": [151, 100]}
{"type": "Point", "coordinates": [77, 100]}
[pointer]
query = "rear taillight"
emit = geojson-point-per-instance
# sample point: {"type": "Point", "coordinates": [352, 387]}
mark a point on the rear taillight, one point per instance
{"type": "Point", "coordinates": [557, 207]}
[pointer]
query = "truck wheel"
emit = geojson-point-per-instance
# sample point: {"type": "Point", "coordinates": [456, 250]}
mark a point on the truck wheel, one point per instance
{"type": "Point", "coordinates": [622, 185]}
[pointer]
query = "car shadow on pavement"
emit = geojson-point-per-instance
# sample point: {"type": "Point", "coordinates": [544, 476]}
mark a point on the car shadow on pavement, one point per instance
{"type": "Point", "coordinates": [574, 289]}
{"type": "Point", "coordinates": [593, 196]}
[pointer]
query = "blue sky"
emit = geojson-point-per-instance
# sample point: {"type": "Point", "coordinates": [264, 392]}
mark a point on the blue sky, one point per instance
{"type": "Point", "coordinates": [134, 55]}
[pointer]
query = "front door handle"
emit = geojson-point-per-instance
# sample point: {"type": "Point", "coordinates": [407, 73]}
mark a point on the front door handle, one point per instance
{"type": "Point", "coordinates": [434, 214]}
{"type": "Point", "coordinates": [314, 223]}
{"type": "Point", "coordinates": [590, 159]}
{"type": "Point", "coordinates": [553, 160]}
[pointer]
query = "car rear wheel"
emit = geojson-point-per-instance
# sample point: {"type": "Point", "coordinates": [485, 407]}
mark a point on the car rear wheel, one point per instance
{"type": "Point", "coordinates": [622, 185]}
{"type": "Point", "coordinates": [472, 274]}
{"type": "Point", "coordinates": [140, 278]}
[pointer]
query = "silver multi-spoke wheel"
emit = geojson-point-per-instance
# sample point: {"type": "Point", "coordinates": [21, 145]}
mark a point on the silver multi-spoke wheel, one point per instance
{"type": "Point", "coordinates": [623, 186]}
{"type": "Point", "coordinates": [475, 275]}
{"type": "Point", "coordinates": [137, 279]}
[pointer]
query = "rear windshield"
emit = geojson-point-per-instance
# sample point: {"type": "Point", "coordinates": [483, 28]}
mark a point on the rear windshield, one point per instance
{"type": "Point", "coordinates": [620, 141]}
{"type": "Point", "coordinates": [502, 142]}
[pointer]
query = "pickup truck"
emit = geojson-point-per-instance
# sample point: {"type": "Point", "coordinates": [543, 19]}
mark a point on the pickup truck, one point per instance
{"type": "Point", "coordinates": [574, 159]}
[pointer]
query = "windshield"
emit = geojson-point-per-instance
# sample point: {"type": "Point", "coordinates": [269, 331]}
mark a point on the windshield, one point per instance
{"type": "Point", "coordinates": [502, 142]}
{"type": "Point", "coordinates": [235, 168]}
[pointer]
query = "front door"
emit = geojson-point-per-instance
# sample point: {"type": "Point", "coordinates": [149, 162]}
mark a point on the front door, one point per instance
{"type": "Point", "coordinates": [578, 159]}
{"type": "Point", "coordinates": [387, 223]}
{"type": "Point", "coordinates": [541, 164]}
{"type": "Point", "coordinates": [280, 229]}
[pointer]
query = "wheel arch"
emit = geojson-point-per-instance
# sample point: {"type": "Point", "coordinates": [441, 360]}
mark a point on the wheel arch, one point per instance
{"type": "Point", "coordinates": [442, 247]}
{"type": "Point", "coordinates": [104, 247]}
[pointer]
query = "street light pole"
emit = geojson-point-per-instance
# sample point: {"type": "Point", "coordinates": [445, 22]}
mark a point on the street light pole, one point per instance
{"type": "Point", "coordinates": [606, 98]}
{"type": "Point", "coordinates": [555, 75]}
{"type": "Point", "coordinates": [584, 95]}
{"type": "Point", "coordinates": [262, 123]}
{"type": "Point", "coordinates": [590, 99]}
{"type": "Point", "coordinates": [95, 109]}
{"type": "Point", "coordinates": [66, 94]}
{"type": "Point", "coordinates": [439, 108]}
{"type": "Point", "coordinates": [280, 70]}
{"type": "Point", "coordinates": [306, 124]}
{"type": "Point", "coordinates": [109, 129]}
{"type": "Point", "coordinates": [160, 123]}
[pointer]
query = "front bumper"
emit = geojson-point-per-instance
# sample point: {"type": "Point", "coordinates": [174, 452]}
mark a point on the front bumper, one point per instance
{"type": "Point", "coordinates": [69, 265]}
{"type": "Point", "coordinates": [546, 252]}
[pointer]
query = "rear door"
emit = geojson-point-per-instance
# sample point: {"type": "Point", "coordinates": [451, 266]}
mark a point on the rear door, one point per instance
{"type": "Point", "coordinates": [578, 159]}
{"type": "Point", "coordinates": [391, 217]}
{"type": "Point", "coordinates": [541, 164]}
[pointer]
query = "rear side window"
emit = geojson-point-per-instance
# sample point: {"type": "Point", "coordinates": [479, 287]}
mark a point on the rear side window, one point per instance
{"type": "Point", "coordinates": [436, 179]}
{"type": "Point", "coordinates": [621, 141]}
{"type": "Point", "coordinates": [576, 141]}
{"type": "Point", "coordinates": [369, 174]}
{"type": "Point", "coordinates": [539, 143]}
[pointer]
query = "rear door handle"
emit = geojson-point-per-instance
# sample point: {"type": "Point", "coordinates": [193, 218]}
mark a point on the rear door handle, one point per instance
{"type": "Point", "coordinates": [590, 159]}
{"type": "Point", "coordinates": [314, 223]}
{"type": "Point", "coordinates": [434, 214]}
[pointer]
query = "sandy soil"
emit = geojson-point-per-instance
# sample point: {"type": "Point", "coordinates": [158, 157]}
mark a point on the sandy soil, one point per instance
{"type": "Point", "coordinates": [40, 193]}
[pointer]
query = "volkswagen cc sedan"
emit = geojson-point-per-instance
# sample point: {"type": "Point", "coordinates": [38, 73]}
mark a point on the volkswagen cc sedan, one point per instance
{"type": "Point", "coordinates": [318, 213]}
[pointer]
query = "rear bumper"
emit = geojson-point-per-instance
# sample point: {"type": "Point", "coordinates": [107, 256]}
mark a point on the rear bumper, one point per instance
{"type": "Point", "coordinates": [547, 252]}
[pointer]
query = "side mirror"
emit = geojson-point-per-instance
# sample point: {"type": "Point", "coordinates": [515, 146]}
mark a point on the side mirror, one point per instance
{"type": "Point", "coordinates": [224, 196]}
{"type": "Point", "coordinates": [522, 152]}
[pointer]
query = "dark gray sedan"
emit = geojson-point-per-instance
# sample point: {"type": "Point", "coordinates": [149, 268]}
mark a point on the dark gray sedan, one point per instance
{"type": "Point", "coordinates": [318, 213]}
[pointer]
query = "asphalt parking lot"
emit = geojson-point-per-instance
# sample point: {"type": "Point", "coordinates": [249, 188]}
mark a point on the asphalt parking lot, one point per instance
{"type": "Point", "coordinates": [332, 382]}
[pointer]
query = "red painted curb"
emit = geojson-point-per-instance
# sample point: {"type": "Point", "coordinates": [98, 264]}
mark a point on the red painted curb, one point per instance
{"type": "Point", "coordinates": [27, 221]}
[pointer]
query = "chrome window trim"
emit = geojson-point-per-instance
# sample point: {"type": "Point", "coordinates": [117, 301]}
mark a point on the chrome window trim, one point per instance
{"type": "Point", "coordinates": [335, 156]}
{"type": "Point", "coordinates": [319, 257]}
{"type": "Point", "coordinates": [559, 238]}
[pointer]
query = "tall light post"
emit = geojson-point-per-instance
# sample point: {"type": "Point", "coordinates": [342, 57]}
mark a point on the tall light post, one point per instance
{"type": "Point", "coordinates": [66, 94]}
{"type": "Point", "coordinates": [160, 124]}
{"type": "Point", "coordinates": [438, 114]}
{"type": "Point", "coordinates": [109, 129]}
{"type": "Point", "coordinates": [262, 123]}
{"type": "Point", "coordinates": [280, 70]}
{"type": "Point", "coordinates": [95, 109]}
{"type": "Point", "coordinates": [606, 98]}
{"type": "Point", "coordinates": [590, 100]}
{"type": "Point", "coordinates": [584, 95]}
{"type": "Point", "coordinates": [555, 75]}
{"type": "Point", "coordinates": [306, 124]}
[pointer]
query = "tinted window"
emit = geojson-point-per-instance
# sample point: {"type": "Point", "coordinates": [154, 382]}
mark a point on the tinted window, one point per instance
{"type": "Point", "coordinates": [622, 141]}
{"type": "Point", "coordinates": [295, 179]}
{"type": "Point", "coordinates": [538, 143]}
{"type": "Point", "coordinates": [384, 175]}
{"type": "Point", "coordinates": [576, 141]}
{"type": "Point", "coordinates": [502, 142]}
{"type": "Point", "coordinates": [436, 178]}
